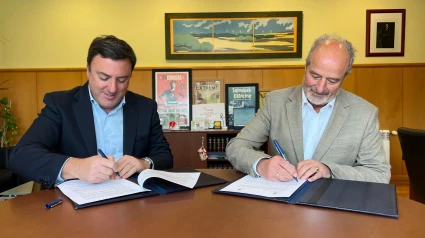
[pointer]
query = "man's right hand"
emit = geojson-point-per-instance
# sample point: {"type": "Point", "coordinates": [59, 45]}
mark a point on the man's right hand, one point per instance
{"type": "Point", "coordinates": [95, 169]}
{"type": "Point", "coordinates": [276, 169]}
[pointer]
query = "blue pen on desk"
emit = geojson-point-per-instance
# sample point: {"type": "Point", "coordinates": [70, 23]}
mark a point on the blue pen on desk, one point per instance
{"type": "Point", "coordinates": [53, 204]}
{"type": "Point", "coordinates": [279, 149]}
{"type": "Point", "coordinates": [104, 156]}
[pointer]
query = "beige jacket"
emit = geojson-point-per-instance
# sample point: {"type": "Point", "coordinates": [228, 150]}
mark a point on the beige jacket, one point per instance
{"type": "Point", "coordinates": [350, 146]}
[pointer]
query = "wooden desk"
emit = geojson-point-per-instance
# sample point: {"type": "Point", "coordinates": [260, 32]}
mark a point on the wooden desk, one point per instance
{"type": "Point", "coordinates": [199, 213]}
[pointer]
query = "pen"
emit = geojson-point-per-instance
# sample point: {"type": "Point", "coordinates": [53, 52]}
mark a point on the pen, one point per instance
{"type": "Point", "coordinates": [104, 156]}
{"type": "Point", "coordinates": [53, 204]}
{"type": "Point", "coordinates": [279, 149]}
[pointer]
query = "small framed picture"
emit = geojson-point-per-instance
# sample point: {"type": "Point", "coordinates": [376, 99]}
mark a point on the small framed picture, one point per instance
{"type": "Point", "coordinates": [385, 30]}
{"type": "Point", "coordinates": [171, 89]}
{"type": "Point", "coordinates": [242, 102]}
{"type": "Point", "coordinates": [207, 92]}
{"type": "Point", "coordinates": [262, 95]}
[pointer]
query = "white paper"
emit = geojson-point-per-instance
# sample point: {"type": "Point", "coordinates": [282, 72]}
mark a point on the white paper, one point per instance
{"type": "Point", "coordinates": [82, 192]}
{"type": "Point", "coordinates": [185, 179]}
{"type": "Point", "coordinates": [212, 112]}
{"type": "Point", "coordinates": [262, 187]}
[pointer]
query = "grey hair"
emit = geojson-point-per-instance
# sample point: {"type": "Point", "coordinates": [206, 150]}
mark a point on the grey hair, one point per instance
{"type": "Point", "coordinates": [350, 49]}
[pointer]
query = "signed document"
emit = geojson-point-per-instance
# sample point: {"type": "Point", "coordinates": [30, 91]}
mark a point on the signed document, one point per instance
{"type": "Point", "coordinates": [262, 187]}
{"type": "Point", "coordinates": [82, 192]}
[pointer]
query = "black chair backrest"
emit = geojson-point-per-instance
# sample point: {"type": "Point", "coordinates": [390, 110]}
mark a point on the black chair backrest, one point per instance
{"type": "Point", "coordinates": [412, 143]}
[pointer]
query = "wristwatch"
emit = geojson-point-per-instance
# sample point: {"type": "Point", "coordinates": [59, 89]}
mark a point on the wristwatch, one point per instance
{"type": "Point", "coordinates": [149, 161]}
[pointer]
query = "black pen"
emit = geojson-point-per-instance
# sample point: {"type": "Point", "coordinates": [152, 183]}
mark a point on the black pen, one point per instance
{"type": "Point", "coordinates": [104, 156]}
{"type": "Point", "coordinates": [53, 204]}
{"type": "Point", "coordinates": [279, 149]}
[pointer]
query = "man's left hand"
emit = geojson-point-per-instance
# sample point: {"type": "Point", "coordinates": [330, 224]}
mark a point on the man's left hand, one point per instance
{"type": "Point", "coordinates": [312, 170]}
{"type": "Point", "coordinates": [128, 165]}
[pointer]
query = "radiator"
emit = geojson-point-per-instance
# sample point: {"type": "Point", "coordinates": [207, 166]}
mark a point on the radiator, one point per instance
{"type": "Point", "coordinates": [385, 135]}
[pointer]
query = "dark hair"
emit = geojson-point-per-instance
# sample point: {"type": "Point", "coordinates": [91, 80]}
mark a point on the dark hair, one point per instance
{"type": "Point", "coordinates": [348, 46]}
{"type": "Point", "coordinates": [109, 46]}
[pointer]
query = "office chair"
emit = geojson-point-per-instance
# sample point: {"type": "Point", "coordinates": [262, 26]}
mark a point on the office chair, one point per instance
{"type": "Point", "coordinates": [412, 143]}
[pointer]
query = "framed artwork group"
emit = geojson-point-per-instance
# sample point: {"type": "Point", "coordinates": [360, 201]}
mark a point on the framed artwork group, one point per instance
{"type": "Point", "coordinates": [242, 35]}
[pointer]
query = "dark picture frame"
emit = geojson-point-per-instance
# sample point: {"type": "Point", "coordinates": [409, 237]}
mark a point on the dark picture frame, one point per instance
{"type": "Point", "coordinates": [242, 101]}
{"type": "Point", "coordinates": [233, 35]}
{"type": "Point", "coordinates": [385, 32]}
{"type": "Point", "coordinates": [172, 91]}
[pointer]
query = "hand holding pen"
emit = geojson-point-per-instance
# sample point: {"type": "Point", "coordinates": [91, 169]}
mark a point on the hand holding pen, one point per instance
{"type": "Point", "coordinates": [282, 154]}
{"type": "Point", "coordinates": [104, 156]}
{"type": "Point", "coordinates": [276, 169]}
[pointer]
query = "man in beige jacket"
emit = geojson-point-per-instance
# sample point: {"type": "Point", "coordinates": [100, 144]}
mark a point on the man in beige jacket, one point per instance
{"type": "Point", "coordinates": [323, 130]}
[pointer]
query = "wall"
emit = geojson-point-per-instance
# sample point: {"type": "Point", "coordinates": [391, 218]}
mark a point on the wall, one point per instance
{"type": "Point", "coordinates": [57, 33]}
{"type": "Point", "coordinates": [2, 38]}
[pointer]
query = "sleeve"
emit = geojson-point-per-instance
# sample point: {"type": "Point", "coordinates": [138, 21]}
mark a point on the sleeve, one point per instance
{"type": "Point", "coordinates": [371, 164]}
{"type": "Point", "coordinates": [244, 150]}
{"type": "Point", "coordinates": [159, 150]}
{"type": "Point", "coordinates": [32, 156]}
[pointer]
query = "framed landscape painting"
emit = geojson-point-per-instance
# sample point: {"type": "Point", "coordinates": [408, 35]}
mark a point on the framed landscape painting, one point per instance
{"type": "Point", "coordinates": [233, 35]}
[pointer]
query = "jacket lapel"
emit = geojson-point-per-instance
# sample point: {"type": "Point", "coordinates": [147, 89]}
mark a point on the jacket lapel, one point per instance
{"type": "Point", "coordinates": [131, 117]}
{"type": "Point", "coordinates": [337, 120]}
{"type": "Point", "coordinates": [294, 113]}
{"type": "Point", "coordinates": [84, 116]}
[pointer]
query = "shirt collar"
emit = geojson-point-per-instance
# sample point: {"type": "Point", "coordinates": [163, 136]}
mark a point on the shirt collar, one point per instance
{"type": "Point", "coordinates": [94, 101]}
{"type": "Point", "coordinates": [306, 102]}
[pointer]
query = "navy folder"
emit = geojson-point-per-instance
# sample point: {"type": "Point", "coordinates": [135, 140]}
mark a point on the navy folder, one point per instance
{"type": "Point", "coordinates": [357, 196]}
{"type": "Point", "coordinates": [158, 187]}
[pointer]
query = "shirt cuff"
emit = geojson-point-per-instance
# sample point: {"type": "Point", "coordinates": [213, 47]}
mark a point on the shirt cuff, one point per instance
{"type": "Point", "coordinates": [150, 162]}
{"type": "Point", "coordinates": [59, 179]}
{"type": "Point", "coordinates": [254, 166]}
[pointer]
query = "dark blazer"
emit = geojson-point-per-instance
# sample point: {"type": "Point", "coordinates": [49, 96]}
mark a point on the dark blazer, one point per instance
{"type": "Point", "coordinates": [65, 128]}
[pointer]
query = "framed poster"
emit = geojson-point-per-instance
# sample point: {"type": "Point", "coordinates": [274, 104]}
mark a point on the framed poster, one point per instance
{"type": "Point", "coordinates": [206, 92]}
{"type": "Point", "coordinates": [171, 89]}
{"type": "Point", "coordinates": [233, 35]}
{"type": "Point", "coordinates": [385, 30]}
{"type": "Point", "coordinates": [242, 102]}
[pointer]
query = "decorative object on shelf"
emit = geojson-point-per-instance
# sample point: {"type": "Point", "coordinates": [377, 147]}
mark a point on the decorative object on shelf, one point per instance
{"type": "Point", "coordinates": [171, 89]}
{"type": "Point", "coordinates": [385, 31]}
{"type": "Point", "coordinates": [241, 104]}
{"type": "Point", "coordinates": [233, 35]}
{"type": "Point", "coordinates": [206, 92]}
{"type": "Point", "coordinates": [203, 154]}
{"type": "Point", "coordinates": [217, 124]}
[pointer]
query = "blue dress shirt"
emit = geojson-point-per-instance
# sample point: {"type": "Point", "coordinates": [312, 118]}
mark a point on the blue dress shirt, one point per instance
{"type": "Point", "coordinates": [314, 124]}
{"type": "Point", "coordinates": [109, 131]}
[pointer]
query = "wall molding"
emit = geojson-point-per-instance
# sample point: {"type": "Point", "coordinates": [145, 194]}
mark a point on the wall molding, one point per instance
{"type": "Point", "coordinates": [213, 67]}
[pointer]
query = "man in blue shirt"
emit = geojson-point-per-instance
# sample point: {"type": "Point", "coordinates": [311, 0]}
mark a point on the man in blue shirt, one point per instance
{"type": "Point", "coordinates": [62, 142]}
{"type": "Point", "coordinates": [323, 130]}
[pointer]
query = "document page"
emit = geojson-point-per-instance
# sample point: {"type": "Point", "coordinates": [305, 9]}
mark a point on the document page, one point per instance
{"type": "Point", "coordinates": [185, 179]}
{"type": "Point", "coordinates": [262, 187]}
{"type": "Point", "coordinates": [82, 192]}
